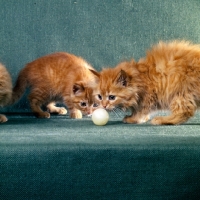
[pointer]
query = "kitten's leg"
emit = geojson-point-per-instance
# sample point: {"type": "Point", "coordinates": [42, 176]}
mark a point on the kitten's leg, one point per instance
{"type": "Point", "coordinates": [36, 101]}
{"type": "Point", "coordinates": [137, 118]}
{"type": "Point", "coordinates": [75, 113]}
{"type": "Point", "coordinates": [182, 109]}
{"type": "Point", "coordinates": [54, 109]}
{"type": "Point", "coordinates": [3, 118]}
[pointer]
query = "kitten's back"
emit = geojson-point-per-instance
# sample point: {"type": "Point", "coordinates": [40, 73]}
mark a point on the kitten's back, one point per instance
{"type": "Point", "coordinates": [60, 64]}
{"type": "Point", "coordinates": [57, 71]}
{"type": "Point", "coordinates": [174, 51]}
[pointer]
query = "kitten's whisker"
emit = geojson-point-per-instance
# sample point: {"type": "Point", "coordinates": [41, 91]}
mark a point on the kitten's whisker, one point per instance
{"type": "Point", "coordinates": [118, 112]}
{"type": "Point", "coordinates": [121, 110]}
{"type": "Point", "coordinates": [115, 112]}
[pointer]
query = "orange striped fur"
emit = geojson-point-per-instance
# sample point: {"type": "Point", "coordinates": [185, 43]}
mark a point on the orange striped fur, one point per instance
{"type": "Point", "coordinates": [58, 77]}
{"type": "Point", "coordinates": [167, 78]}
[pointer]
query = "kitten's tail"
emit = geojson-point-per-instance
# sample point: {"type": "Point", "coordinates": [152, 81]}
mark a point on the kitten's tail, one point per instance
{"type": "Point", "coordinates": [19, 87]}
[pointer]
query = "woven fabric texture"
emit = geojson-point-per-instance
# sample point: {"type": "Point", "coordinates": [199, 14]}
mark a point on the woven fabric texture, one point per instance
{"type": "Point", "coordinates": [61, 158]}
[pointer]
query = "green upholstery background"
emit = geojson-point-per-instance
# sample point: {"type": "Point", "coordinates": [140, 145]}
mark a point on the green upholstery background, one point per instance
{"type": "Point", "coordinates": [103, 32]}
{"type": "Point", "coordinates": [61, 158]}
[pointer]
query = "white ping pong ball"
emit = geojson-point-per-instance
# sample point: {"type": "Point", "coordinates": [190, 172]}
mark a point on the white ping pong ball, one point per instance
{"type": "Point", "coordinates": [100, 117]}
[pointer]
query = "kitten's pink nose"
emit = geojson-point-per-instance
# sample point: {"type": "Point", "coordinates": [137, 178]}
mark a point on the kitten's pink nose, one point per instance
{"type": "Point", "coordinates": [89, 110]}
{"type": "Point", "coordinates": [104, 104]}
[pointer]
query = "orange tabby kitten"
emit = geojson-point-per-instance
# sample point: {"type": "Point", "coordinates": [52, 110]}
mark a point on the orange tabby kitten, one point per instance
{"type": "Point", "coordinates": [58, 77]}
{"type": "Point", "coordinates": [5, 90]}
{"type": "Point", "coordinates": [168, 78]}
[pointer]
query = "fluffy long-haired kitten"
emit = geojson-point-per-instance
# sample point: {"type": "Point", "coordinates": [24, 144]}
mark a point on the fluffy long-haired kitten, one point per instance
{"type": "Point", "coordinates": [58, 77]}
{"type": "Point", "coordinates": [5, 90]}
{"type": "Point", "coordinates": [168, 78]}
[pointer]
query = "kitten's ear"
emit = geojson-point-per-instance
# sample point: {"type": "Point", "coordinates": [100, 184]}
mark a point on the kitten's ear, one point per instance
{"type": "Point", "coordinates": [95, 73]}
{"type": "Point", "coordinates": [122, 78]}
{"type": "Point", "coordinates": [78, 88]}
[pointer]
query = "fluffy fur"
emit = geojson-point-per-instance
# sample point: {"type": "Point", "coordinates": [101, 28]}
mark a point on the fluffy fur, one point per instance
{"type": "Point", "coordinates": [58, 77]}
{"type": "Point", "coordinates": [5, 90]}
{"type": "Point", "coordinates": [167, 78]}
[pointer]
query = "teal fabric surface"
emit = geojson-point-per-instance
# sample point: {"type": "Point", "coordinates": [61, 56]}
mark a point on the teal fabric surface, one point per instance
{"type": "Point", "coordinates": [61, 158]}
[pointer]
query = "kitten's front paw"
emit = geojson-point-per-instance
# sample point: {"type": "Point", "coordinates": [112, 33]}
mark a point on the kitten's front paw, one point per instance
{"type": "Point", "coordinates": [136, 120]}
{"type": "Point", "coordinates": [62, 111]}
{"type": "Point", "coordinates": [157, 121]}
{"type": "Point", "coordinates": [165, 120]}
{"type": "Point", "coordinates": [76, 115]}
{"type": "Point", "coordinates": [42, 115]}
{"type": "Point", "coordinates": [3, 119]}
{"type": "Point", "coordinates": [130, 120]}
{"type": "Point", "coordinates": [59, 110]}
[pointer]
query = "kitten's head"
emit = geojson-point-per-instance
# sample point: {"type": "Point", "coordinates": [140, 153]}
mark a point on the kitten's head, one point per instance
{"type": "Point", "coordinates": [119, 87]}
{"type": "Point", "coordinates": [83, 98]}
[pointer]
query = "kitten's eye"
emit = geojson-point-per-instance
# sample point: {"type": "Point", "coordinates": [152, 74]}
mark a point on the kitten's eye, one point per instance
{"type": "Point", "coordinates": [95, 105]}
{"type": "Point", "coordinates": [83, 104]}
{"type": "Point", "coordinates": [124, 83]}
{"type": "Point", "coordinates": [111, 97]}
{"type": "Point", "coordinates": [100, 97]}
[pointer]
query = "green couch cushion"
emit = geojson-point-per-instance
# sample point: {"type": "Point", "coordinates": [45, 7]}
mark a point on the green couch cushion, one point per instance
{"type": "Point", "coordinates": [60, 158]}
